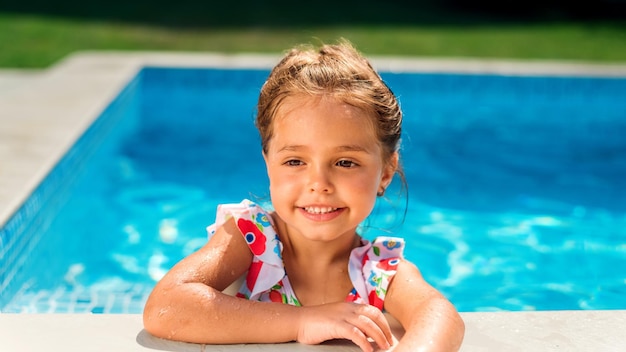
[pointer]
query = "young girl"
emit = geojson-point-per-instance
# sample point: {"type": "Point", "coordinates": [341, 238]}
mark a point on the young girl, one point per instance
{"type": "Point", "coordinates": [329, 130]}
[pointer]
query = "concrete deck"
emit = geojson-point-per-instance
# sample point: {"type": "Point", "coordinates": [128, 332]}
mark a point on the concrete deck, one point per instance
{"type": "Point", "coordinates": [43, 113]}
{"type": "Point", "coordinates": [511, 331]}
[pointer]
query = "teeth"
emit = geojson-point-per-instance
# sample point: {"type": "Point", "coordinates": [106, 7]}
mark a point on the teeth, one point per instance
{"type": "Point", "coordinates": [319, 210]}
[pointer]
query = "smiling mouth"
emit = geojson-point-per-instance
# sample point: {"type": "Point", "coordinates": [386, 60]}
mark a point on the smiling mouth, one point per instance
{"type": "Point", "coordinates": [319, 210]}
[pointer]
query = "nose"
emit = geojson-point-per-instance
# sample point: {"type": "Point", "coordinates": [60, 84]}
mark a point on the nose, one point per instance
{"type": "Point", "coordinates": [320, 180]}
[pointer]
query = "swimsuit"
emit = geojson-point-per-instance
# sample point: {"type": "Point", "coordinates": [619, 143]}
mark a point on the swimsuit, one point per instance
{"type": "Point", "coordinates": [371, 266]}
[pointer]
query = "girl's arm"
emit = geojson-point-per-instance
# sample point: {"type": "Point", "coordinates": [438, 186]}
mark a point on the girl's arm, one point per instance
{"type": "Point", "coordinates": [188, 305]}
{"type": "Point", "coordinates": [430, 321]}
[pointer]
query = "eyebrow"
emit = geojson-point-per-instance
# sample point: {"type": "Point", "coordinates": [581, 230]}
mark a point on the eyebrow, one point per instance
{"type": "Point", "coordinates": [342, 148]}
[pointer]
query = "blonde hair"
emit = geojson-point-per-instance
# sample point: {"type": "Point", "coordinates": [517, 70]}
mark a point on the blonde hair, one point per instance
{"type": "Point", "coordinates": [336, 70]}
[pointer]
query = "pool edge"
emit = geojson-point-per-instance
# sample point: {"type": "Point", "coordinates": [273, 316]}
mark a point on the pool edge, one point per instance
{"type": "Point", "coordinates": [506, 331]}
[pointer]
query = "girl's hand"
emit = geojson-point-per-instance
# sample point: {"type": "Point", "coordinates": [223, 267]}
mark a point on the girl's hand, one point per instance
{"type": "Point", "coordinates": [355, 322]}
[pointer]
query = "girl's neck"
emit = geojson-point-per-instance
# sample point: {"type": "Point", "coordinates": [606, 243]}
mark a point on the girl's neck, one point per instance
{"type": "Point", "coordinates": [317, 270]}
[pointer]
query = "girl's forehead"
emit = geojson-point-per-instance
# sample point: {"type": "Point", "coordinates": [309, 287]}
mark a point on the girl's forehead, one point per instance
{"type": "Point", "coordinates": [301, 102]}
{"type": "Point", "coordinates": [325, 121]}
{"type": "Point", "coordinates": [293, 102]}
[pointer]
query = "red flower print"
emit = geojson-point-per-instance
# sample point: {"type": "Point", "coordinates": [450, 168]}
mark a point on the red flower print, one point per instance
{"type": "Point", "coordinates": [388, 264]}
{"type": "Point", "coordinates": [252, 234]}
{"type": "Point", "coordinates": [253, 274]}
{"type": "Point", "coordinates": [353, 296]}
{"type": "Point", "coordinates": [365, 259]}
{"type": "Point", "coordinates": [275, 296]}
{"type": "Point", "coordinates": [375, 300]}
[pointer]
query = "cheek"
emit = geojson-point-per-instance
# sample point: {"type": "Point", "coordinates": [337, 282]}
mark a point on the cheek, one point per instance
{"type": "Point", "coordinates": [365, 185]}
{"type": "Point", "coordinates": [281, 180]}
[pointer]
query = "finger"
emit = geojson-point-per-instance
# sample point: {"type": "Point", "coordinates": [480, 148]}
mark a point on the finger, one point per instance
{"type": "Point", "coordinates": [373, 330]}
{"type": "Point", "coordinates": [357, 336]}
{"type": "Point", "coordinates": [379, 319]}
{"type": "Point", "coordinates": [383, 323]}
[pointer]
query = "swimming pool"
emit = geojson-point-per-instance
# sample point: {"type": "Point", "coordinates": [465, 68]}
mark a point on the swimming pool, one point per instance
{"type": "Point", "coordinates": [516, 191]}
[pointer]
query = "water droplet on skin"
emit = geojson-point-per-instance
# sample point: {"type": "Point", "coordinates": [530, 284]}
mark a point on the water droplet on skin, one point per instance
{"type": "Point", "coordinates": [162, 311]}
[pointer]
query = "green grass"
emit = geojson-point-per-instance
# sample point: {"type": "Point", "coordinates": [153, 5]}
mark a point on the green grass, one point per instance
{"type": "Point", "coordinates": [41, 38]}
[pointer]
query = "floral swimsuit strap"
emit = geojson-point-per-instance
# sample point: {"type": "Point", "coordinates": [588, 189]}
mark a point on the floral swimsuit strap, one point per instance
{"type": "Point", "coordinates": [372, 267]}
{"type": "Point", "coordinates": [255, 224]}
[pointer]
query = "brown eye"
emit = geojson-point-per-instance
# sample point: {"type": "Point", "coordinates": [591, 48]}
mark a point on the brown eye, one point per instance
{"type": "Point", "coordinates": [346, 163]}
{"type": "Point", "coordinates": [293, 162]}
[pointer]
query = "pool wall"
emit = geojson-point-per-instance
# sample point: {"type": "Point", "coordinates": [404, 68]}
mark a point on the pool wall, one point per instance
{"type": "Point", "coordinates": [22, 232]}
{"type": "Point", "coordinates": [41, 121]}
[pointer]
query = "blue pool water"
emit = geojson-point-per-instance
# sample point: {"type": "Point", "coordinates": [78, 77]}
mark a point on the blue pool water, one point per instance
{"type": "Point", "coordinates": [516, 200]}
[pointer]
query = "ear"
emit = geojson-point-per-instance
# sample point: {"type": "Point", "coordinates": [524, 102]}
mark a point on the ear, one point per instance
{"type": "Point", "coordinates": [389, 170]}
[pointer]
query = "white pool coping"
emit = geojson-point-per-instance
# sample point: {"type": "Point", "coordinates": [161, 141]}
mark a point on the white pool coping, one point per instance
{"type": "Point", "coordinates": [43, 113]}
{"type": "Point", "coordinates": [500, 332]}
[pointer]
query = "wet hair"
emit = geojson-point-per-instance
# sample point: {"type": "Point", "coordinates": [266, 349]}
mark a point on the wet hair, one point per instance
{"type": "Point", "coordinates": [338, 71]}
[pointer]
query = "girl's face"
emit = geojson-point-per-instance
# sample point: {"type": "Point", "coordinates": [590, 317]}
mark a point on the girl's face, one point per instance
{"type": "Point", "coordinates": [325, 166]}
